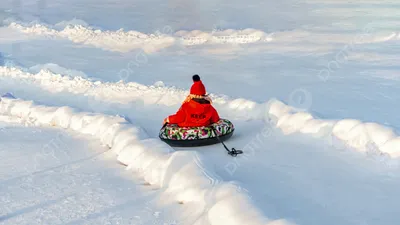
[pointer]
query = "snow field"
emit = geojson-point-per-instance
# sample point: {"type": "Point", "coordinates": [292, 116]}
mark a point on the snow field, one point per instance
{"type": "Point", "coordinates": [291, 176]}
{"type": "Point", "coordinates": [180, 174]}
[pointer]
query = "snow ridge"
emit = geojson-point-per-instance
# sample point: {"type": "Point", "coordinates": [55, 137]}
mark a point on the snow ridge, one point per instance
{"type": "Point", "coordinates": [371, 138]}
{"type": "Point", "coordinates": [125, 41]}
{"type": "Point", "coordinates": [122, 92]}
{"type": "Point", "coordinates": [120, 40]}
{"type": "Point", "coordinates": [178, 174]}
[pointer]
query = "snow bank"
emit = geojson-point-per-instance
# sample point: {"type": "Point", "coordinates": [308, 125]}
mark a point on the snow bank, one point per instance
{"type": "Point", "coordinates": [365, 137]}
{"type": "Point", "coordinates": [182, 175]}
{"type": "Point", "coordinates": [124, 41]}
{"type": "Point", "coordinates": [48, 79]}
{"type": "Point", "coordinates": [198, 37]}
{"type": "Point", "coordinates": [119, 40]}
{"type": "Point", "coordinates": [56, 69]}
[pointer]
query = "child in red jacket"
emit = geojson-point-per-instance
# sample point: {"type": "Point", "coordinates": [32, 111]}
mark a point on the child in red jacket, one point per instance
{"type": "Point", "coordinates": [196, 110]}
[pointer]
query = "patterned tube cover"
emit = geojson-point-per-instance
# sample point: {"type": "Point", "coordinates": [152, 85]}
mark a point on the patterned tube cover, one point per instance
{"type": "Point", "coordinates": [173, 132]}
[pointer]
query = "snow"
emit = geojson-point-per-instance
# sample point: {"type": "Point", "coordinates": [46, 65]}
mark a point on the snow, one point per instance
{"type": "Point", "coordinates": [120, 92]}
{"type": "Point", "coordinates": [53, 176]}
{"type": "Point", "coordinates": [126, 41]}
{"type": "Point", "coordinates": [122, 41]}
{"type": "Point", "coordinates": [354, 133]}
{"type": "Point", "coordinates": [150, 157]}
{"type": "Point", "coordinates": [115, 41]}
{"type": "Point", "coordinates": [311, 87]}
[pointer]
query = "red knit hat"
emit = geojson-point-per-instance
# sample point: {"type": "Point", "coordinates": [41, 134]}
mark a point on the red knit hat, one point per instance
{"type": "Point", "coordinates": [197, 87]}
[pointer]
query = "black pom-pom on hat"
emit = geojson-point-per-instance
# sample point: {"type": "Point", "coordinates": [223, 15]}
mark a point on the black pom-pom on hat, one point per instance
{"type": "Point", "coordinates": [196, 78]}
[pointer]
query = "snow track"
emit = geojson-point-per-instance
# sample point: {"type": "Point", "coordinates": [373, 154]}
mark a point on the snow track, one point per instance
{"type": "Point", "coordinates": [370, 138]}
{"type": "Point", "coordinates": [178, 173]}
{"type": "Point", "coordinates": [55, 176]}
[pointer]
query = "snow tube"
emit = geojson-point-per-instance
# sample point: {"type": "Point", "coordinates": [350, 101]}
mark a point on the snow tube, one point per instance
{"type": "Point", "coordinates": [196, 136]}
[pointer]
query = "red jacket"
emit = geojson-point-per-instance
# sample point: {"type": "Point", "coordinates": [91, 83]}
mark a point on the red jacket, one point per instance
{"type": "Point", "coordinates": [195, 113]}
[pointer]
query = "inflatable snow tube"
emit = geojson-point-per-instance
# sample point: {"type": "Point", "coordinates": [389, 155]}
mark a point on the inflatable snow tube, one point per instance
{"type": "Point", "coordinates": [196, 136]}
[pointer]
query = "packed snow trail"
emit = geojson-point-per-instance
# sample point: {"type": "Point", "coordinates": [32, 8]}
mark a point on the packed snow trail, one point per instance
{"type": "Point", "coordinates": [54, 176]}
{"type": "Point", "coordinates": [308, 181]}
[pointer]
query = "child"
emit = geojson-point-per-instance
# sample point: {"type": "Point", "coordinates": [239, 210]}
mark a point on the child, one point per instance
{"type": "Point", "coordinates": [196, 110]}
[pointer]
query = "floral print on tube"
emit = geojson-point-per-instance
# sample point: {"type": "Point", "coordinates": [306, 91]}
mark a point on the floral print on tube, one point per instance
{"type": "Point", "coordinates": [173, 132]}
